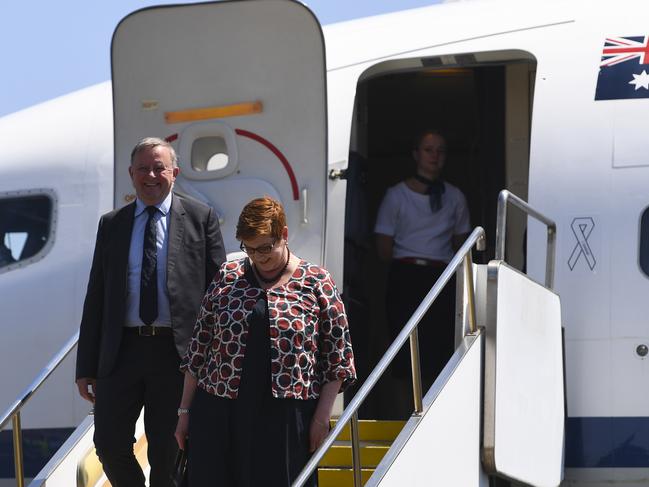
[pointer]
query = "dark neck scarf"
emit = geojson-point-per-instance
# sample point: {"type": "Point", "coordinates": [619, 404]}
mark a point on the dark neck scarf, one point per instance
{"type": "Point", "coordinates": [434, 190]}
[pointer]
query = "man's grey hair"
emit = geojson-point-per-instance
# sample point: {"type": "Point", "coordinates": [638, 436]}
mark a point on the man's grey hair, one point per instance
{"type": "Point", "coordinates": [150, 143]}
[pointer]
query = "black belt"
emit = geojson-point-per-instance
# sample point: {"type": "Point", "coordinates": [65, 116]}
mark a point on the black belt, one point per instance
{"type": "Point", "coordinates": [149, 331]}
{"type": "Point", "coordinates": [423, 262]}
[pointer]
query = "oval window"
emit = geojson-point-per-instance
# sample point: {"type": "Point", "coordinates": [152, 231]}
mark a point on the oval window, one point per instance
{"type": "Point", "coordinates": [644, 242]}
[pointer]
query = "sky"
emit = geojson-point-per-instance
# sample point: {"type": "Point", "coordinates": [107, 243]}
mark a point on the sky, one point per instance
{"type": "Point", "coordinates": [50, 48]}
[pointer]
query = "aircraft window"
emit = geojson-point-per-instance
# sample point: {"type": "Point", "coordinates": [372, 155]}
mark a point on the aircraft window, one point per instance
{"type": "Point", "coordinates": [644, 242]}
{"type": "Point", "coordinates": [209, 154]}
{"type": "Point", "coordinates": [217, 161]}
{"type": "Point", "coordinates": [25, 227]}
{"type": "Point", "coordinates": [207, 151]}
{"type": "Point", "coordinates": [15, 242]}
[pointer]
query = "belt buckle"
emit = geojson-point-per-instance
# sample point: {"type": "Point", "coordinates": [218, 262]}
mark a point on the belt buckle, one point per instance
{"type": "Point", "coordinates": [146, 331]}
{"type": "Point", "coordinates": [423, 262]}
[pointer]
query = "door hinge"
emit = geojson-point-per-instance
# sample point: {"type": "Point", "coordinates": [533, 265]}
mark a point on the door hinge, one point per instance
{"type": "Point", "coordinates": [338, 174]}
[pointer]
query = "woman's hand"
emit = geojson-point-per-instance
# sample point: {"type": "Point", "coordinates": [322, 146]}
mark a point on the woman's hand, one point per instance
{"type": "Point", "coordinates": [318, 431]}
{"type": "Point", "coordinates": [319, 428]}
{"type": "Point", "coordinates": [182, 430]}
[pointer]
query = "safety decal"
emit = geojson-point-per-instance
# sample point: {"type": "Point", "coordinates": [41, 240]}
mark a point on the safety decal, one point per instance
{"type": "Point", "coordinates": [582, 228]}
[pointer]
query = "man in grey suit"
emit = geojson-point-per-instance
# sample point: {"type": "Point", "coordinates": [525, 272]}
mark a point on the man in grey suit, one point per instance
{"type": "Point", "coordinates": [153, 260]}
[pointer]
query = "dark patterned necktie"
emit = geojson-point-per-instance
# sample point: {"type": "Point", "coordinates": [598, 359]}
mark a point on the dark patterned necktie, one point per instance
{"type": "Point", "coordinates": [148, 277]}
{"type": "Point", "coordinates": [434, 190]}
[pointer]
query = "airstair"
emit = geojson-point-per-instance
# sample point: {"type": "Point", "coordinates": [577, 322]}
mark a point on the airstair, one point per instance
{"type": "Point", "coordinates": [496, 409]}
{"type": "Point", "coordinates": [375, 439]}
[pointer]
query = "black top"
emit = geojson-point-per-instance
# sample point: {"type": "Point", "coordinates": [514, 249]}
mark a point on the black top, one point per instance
{"type": "Point", "coordinates": [255, 439]}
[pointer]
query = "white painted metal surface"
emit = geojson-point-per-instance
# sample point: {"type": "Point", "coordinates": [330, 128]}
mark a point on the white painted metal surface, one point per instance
{"type": "Point", "coordinates": [63, 469]}
{"type": "Point", "coordinates": [524, 395]}
{"type": "Point", "coordinates": [66, 150]}
{"type": "Point", "coordinates": [216, 55]}
{"type": "Point", "coordinates": [443, 447]}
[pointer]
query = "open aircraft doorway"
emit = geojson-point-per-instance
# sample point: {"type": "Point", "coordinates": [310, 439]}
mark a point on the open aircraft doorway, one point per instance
{"type": "Point", "coordinates": [482, 103]}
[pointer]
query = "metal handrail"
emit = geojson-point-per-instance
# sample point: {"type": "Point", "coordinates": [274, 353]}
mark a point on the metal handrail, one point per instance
{"type": "Point", "coordinates": [463, 256]}
{"type": "Point", "coordinates": [13, 412]}
{"type": "Point", "coordinates": [505, 197]}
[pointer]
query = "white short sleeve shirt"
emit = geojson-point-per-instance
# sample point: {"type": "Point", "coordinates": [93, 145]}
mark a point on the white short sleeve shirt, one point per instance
{"type": "Point", "coordinates": [406, 216]}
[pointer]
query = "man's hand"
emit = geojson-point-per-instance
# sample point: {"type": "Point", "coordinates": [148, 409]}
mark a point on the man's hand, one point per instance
{"type": "Point", "coordinates": [86, 387]}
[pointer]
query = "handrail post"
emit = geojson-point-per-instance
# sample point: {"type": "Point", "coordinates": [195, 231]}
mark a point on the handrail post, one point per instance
{"type": "Point", "coordinates": [18, 449]}
{"type": "Point", "coordinates": [38, 382]}
{"type": "Point", "coordinates": [504, 198]}
{"type": "Point", "coordinates": [501, 224]}
{"type": "Point", "coordinates": [468, 280]}
{"type": "Point", "coordinates": [416, 372]}
{"type": "Point", "coordinates": [13, 413]}
{"type": "Point", "coordinates": [356, 453]}
{"type": "Point", "coordinates": [550, 258]}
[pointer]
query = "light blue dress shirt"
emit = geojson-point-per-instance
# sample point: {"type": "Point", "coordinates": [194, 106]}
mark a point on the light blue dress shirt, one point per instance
{"type": "Point", "coordinates": [135, 263]}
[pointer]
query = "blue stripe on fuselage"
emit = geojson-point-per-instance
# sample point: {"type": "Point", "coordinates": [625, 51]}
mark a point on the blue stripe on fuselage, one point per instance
{"type": "Point", "coordinates": [601, 442]}
{"type": "Point", "coordinates": [39, 445]}
{"type": "Point", "coordinates": [621, 442]}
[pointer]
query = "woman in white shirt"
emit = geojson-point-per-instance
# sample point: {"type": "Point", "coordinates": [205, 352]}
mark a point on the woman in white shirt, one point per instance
{"type": "Point", "coordinates": [421, 222]}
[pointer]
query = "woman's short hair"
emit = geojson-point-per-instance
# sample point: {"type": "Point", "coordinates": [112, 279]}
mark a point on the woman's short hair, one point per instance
{"type": "Point", "coordinates": [261, 217]}
{"type": "Point", "coordinates": [419, 136]}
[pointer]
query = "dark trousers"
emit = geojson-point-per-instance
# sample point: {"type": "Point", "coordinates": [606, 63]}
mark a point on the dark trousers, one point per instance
{"type": "Point", "coordinates": [146, 375]}
{"type": "Point", "coordinates": [408, 284]}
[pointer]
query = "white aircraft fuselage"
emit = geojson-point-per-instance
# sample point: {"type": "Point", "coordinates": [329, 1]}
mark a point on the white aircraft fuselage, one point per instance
{"type": "Point", "coordinates": [546, 99]}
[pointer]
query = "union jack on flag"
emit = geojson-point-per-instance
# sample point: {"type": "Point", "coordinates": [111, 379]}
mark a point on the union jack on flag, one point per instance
{"type": "Point", "coordinates": [620, 49]}
{"type": "Point", "coordinates": [624, 69]}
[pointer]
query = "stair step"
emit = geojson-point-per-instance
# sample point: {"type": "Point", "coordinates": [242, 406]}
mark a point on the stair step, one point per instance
{"type": "Point", "coordinates": [340, 477]}
{"type": "Point", "coordinates": [340, 454]}
{"type": "Point", "coordinates": [373, 430]}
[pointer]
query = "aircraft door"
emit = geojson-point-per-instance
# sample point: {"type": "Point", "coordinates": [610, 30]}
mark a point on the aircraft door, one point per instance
{"type": "Point", "coordinates": [239, 89]}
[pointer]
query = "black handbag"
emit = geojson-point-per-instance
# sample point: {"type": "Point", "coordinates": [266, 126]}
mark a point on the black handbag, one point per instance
{"type": "Point", "coordinates": [179, 474]}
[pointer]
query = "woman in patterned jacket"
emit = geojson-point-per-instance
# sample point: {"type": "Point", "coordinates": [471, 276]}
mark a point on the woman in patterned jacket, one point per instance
{"type": "Point", "coordinates": [269, 353]}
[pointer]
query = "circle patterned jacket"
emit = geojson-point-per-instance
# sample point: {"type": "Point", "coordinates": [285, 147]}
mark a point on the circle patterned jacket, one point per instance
{"type": "Point", "coordinates": [309, 333]}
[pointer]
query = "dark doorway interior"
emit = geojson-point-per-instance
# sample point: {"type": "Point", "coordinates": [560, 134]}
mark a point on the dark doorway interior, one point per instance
{"type": "Point", "coordinates": [468, 106]}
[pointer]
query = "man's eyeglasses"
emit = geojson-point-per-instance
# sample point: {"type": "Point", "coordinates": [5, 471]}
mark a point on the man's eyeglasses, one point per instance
{"type": "Point", "coordinates": [157, 170]}
{"type": "Point", "coordinates": [262, 249]}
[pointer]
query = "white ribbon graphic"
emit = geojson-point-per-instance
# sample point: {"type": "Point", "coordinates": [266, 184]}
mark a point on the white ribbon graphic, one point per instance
{"type": "Point", "coordinates": [582, 228]}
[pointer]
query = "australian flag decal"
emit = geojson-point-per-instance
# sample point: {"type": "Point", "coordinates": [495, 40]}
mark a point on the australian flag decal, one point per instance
{"type": "Point", "coordinates": [624, 69]}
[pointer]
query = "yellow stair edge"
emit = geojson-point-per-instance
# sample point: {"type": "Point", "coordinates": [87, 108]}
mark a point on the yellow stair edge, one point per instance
{"type": "Point", "coordinates": [337, 477]}
{"type": "Point", "coordinates": [373, 430]}
{"type": "Point", "coordinates": [341, 455]}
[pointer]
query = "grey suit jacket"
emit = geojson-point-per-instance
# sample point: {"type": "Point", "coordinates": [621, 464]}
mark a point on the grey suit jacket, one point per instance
{"type": "Point", "coordinates": [195, 253]}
